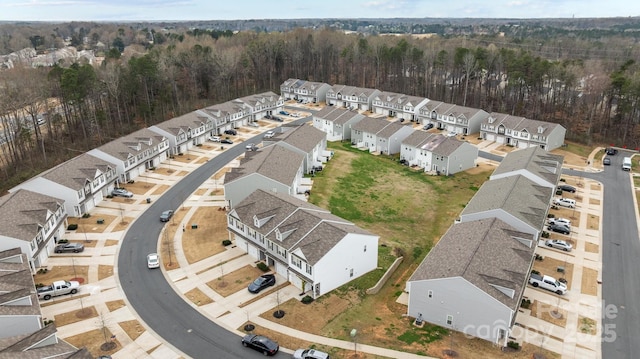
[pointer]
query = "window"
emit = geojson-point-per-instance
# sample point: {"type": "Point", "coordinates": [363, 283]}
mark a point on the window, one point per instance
{"type": "Point", "coordinates": [449, 319]}
{"type": "Point", "coordinates": [365, 248]}
{"type": "Point", "coordinates": [430, 294]}
{"type": "Point", "coordinates": [351, 272]}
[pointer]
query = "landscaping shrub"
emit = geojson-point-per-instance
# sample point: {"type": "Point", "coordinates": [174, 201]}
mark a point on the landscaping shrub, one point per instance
{"type": "Point", "coordinates": [307, 299]}
{"type": "Point", "coordinates": [263, 267]}
{"type": "Point", "coordinates": [72, 227]}
{"type": "Point", "coordinates": [226, 242]}
{"type": "Point", "coordinates": [526, 303]}
{"type": "Point", "coordinates": [563, 180]}
{"type": "Point", "coordinates": [545, 234]}
{"type": "Point", "coordinates": [61, 241]}
{"type": "Point", "coordinates": [535, 272]}
{"type": "Point", "coordinates": [86, 215]}
{"type": "Point", "coordinates": [551, 215]}
{"type": "Point", "coordinates": [513, 345]}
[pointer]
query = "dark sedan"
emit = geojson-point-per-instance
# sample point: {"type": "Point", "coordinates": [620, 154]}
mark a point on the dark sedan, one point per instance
{"type": "Point", "coordinates": [262, 344]}
{"type": "Point", "coordinates": [262, 282]}
{"type": "Point", "coordinates": [559, 228]}
{"type": "Point", "coordinates": [69, 247]}
{"type": "Point", "coordinates": [567, 188]}
{"type": "Point", "coordinates": [226, 141]}
{"type": "Point", "coordinates": [166, 215]}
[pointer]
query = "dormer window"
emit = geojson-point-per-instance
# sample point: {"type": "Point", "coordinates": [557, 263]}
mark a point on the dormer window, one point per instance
{"type": "Point", "coordinates": [259, 222]}
{"type": "Point", "coordinates": [540, 129]}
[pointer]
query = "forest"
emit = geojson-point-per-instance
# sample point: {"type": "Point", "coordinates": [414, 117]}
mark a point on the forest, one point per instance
{"type": "Point", "coordinates": [146, 75]}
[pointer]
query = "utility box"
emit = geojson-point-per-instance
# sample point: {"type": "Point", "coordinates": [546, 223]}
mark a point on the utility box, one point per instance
{"type": "Point", "coordinates": [194, 226]}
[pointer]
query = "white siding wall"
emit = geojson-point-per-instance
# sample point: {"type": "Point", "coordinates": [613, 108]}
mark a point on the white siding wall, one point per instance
{"type": "Point", "coordinates": [461, 300]}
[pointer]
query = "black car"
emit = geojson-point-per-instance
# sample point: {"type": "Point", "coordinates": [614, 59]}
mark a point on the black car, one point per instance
{"type": "Point", "coordinates": [260, 343]}
{"type": "Point", "coordinates": [611, 151]}
{"type": "Point", "coordinates": [567, 188]}
{"type": "Point", "coordinates": [276, 118]}
{"type": "Point", "coordinates": [69, 247]}
{"type": "Point", "coordinates": [559, 228]}
{"type": "Point", "coordinates": [230, 132]}
{"type": "Point", "coordinates": [404, 162]}
{"type": "Point", "coordinates": [227, 141]}
{"type": "Point", "coordinates": [166, 215]}
{"type": "Point", "coordinates": [265, 280]}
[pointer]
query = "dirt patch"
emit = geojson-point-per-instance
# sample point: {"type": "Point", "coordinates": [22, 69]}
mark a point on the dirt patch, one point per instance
{"type": "Point", "coordinates": [160, 189]}
{"type": "Point", "coordinates": [218, 175]}
{"type": "Point", "coordinates": [596, 187]}
{"type": "Point", "coordinates": [139, 187]}
{"type": "Point", "coordinates": [589, 281]}
{"type": "Point", "coordinates": [182, 173]}
{"type": "Point", "coordinates": [167, 236]}
{"type": "Point", "coordinates": [185, 158]}
{"type": "Point", "coordinates": [91, 225]}
{"type": "Point", "coordinates": [111, 242]}
{"type": "Point", "coordinates": [123, 223]}
{"type": "Point", "coordinates": [594, 201]}
{"type": "Point", "coordinates": [75, 316]}
{"type": "Point", "coordinates": [164, 170]}
{"type": "Point", "coordinates": [133, 328]}
{"type": "Point", "coordinates": [229, 283]}
{"type": "Point", "coordinates": [569, 213]}
{"type": "Point", "coordinates": [591, 247]}
{"type": "Point", "coordinates": [206, 240]}
{"type": "Point", "coordinates": [549, 266]}
{"type": "Point", "coordinates": [481, 167]}
{"type": "Point", "coordinates": [93, 340]}
{"type": "Point", "coordinates": [587, 325]}
{"type": "Point", "coordinates": [549, 313]}
{"type": "Point", "coordinates": [104, 271]}
{"type": "Point", "coordinates": [115, 304]}
{"type": "Point", "coordinates": [200, 191]}
{"type": "Point", "coordinates": [63, 298]}
{"type": "Point", "coordinates": [198, 297]}
{"type": "Point", "coordinates": [593, 221]}
{"type": "Point", "coordinates": [63, 273]}
{"type": "Point", "coordinates": [202, 160]}
{"type": "Point", "coordinates": [122, 200]}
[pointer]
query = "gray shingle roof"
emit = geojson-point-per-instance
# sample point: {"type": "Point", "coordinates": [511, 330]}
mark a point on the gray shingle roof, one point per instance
{"type": "Point", "coordinates": [265, 97]}
{"type": "Point", "coordinates": [25, 212]}
{"type": "Point", "coordinates": [76, 172]}
{"type": "Point", "coordinates": [517, 123]}
{"type": "Point", "coordinates": [399, 99]}
{"type": "Point", "coordinates": [274, 162]}
{"type": "Point", "coordinates": [447, 146]}
{"type": "Point", "coordinates": [187, 121]}
{"type": "Point", "coordinates": [303, 137]}
{"type": "Point", "coordinates": [313, 230]}
{"type": "Point", "coordinates": [132, 144]}
{"type": "Point", "coordinates": [224, 109]}
{"type": "Point", "coordinates": [535, 160]}
{"type": "Point", "coordinates": [416, 138]}
{"type": "Point", "coordinates": [516, 195]}
{"type": "Point", "coordinates": [390, 129]}
{"type": "Point", "coordinates": [337, 115]}
{"type": "Point", "coordinates": [34, 346]}
{"type": "Point", "coordinates": [487, 253]}
{"type": "Point", "coordinates": [371, 125]}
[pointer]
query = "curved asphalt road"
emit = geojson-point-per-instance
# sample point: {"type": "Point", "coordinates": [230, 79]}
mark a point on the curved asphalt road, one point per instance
{"type": "Point", "coordinates": [620, 260]}
{"type": "Point", "coordinates": [149, 293]}
{"type": "Point", "coordinates": [155, 301]}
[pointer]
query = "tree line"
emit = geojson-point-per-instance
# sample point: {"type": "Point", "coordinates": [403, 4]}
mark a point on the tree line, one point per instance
{"type": "Point", "coordinates": [86, 105]}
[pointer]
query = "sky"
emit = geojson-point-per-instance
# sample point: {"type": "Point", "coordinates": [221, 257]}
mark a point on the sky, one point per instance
{"type": "Point", "coordinates": [158, 10]}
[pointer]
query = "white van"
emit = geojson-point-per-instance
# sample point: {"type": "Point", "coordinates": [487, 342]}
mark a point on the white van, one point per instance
{"type": "Point", "coordinates": [626, 164]}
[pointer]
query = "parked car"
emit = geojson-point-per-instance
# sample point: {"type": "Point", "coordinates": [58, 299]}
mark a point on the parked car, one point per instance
{"type": "Point", "coordinates": [260, 343]}
{"type": "Point", "coordinates": [153, 260]}
{"type": "Point", "coordinates": [559, 244]}
{"type": "Point", "coordinates": [214, 138]}
{"type": "Point", "coordinates": [428, 126]}
{"type": "Point", "coordinates": [69, 247]}
{"type": "Point", "coordinates": [230, 132]}
{"type": "Point", "coordinates": [253, 124]}
{"type": "Point", "coordinates": [404, 162]}
{"type": "Point", "coordinates": [284, 113]}
{"type": "Point", "coordinates": [560, 220]}
{"type": "Point", "coordinates": [251, 147]}
{"type": "Point", "coordinates": [269, 134]}
{"type": "Point", "coordinates": [310, 354]}
{"type": "Point", "coordinates": [548, 283]}
{"type": "Point", "coordinates": [121, 192]}
{"type": "Point", "coordinates": [567, 188]}
{"type": "Point", "coordinates": [565, 202]}
{"type": "Point", "coordinates": [452, 134]}
{"type": "Point", "coordinates": [262, 282]}
{"type": "Point", "coordinates": [226, 141]}
{"type": "Point", "coordinates": [276, 118]}
{"type": "Point", "coordinates": [57, 288]}
{"type": "Point", "coordinates": [611, 151]}
{"type": "Point", "coordinates": [166, 215]}
{"type": "Point", "coordinates": [560, 228]}
{"type": "Point", "coordinates": [606, 161]}
{"type": "Point", "coordinates": [295, 115]}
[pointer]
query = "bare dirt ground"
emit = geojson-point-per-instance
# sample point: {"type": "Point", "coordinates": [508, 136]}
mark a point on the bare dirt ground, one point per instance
{"type": "Point", "coordinates": [229, 283]}
{"type": "Point", "coordinates": [93, 339]}
{"type": "Point", "coordinates": [591, 247]}
{"type": "Point", "coordinates": [206, 240]}
{"type": "Point", "coordinates": [549, 266]}
{"type": "Point", "coordinates": [63, 273]}
{"type": "Point", "coordinates": [551, 313]}
{"type": "Point", "coordinates": [133, 328]}
{"type": "Point", "coordinates": [104, 271]}
{"type": "Point", "coordinates": [198, 297]}
{"type": "Point", "coordinates": [75, 316]}
{"type": "Point", "coordinates": [589, 281]}
{"type": "Point", "coordinates": [115, 304]}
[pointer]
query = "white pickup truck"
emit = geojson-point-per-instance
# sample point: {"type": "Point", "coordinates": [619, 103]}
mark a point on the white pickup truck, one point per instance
{"type": "Point", "coordinates": [60, 287]}
{"type": "Point", "coordinates": [548, 283]}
